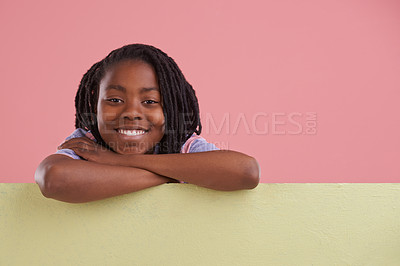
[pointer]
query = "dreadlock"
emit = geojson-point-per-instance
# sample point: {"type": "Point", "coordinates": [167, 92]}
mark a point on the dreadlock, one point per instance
{"type": "Point", "coordinates": [180, 105]}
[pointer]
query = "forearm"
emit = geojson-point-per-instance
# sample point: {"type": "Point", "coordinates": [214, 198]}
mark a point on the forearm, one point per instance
{"type": "Point", "coordinates": [220, 170]}
{"type": "Point", "coordinates": [82, 181]}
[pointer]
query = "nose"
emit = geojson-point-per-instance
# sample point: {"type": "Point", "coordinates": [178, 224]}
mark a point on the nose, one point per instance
{"type": "Point", "coordinates": [132, 111]}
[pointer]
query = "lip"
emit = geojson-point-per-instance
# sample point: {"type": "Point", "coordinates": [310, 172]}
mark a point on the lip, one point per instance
{"type": "Point", "coordinates": [132, 128]}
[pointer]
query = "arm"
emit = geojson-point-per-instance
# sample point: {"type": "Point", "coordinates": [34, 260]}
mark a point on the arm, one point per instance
{"type": "Point", "coordinates": [63, 178]}
{"type": "Point", "coordinates": [220, 170]}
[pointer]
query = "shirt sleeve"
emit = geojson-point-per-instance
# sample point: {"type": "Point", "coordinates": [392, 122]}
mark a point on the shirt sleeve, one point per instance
{"type": "Point", "coordinates": [200, 145]}
{"type": "Point", "coordinates": [69, 153]}
{"type": "Point", "coordinates": [197, 144]}
{"type": "Point", "coordinates": [76, 134]}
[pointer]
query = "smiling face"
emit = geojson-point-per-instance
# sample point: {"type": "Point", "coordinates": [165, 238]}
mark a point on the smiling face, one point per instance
{"type": "Point", "coordinates": [130, 116]}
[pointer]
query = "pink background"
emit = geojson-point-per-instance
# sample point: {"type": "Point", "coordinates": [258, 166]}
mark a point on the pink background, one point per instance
{"type": "Point", "coordinates": [258, 63]}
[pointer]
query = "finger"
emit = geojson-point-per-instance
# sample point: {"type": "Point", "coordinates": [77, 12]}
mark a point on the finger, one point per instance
{"type": "Point", "coordinates": [81, 145]}
{"type": "Point", "coordinates": [78, 140]}
{"type": "Point", "coordinates": [81, 152]}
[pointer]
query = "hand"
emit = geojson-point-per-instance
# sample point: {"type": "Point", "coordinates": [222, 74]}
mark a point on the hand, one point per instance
{"type": "Point", "coordinates": [91, 151]}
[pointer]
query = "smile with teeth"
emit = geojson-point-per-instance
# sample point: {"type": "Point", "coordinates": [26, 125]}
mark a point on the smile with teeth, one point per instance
{"type": "Point", "coordinates": [133, 132]}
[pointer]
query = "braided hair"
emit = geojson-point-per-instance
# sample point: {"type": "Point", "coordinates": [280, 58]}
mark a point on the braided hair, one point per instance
{"type": "Point", "coordinates": [180, 104]}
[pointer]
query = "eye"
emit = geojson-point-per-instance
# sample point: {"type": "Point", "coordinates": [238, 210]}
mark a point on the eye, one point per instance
{"type": "Point", "coordinates": [114, 100]}
{"type": "Point", "coordinates": [150, 102]}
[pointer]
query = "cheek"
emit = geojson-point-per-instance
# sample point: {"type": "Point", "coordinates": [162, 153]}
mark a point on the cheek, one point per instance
{"type": "Point", "coordinates": [157, 119]}
{"type": "Point", "coordinates": [162, 123]}
{"type": "Point", "coordinates": [105, 116]}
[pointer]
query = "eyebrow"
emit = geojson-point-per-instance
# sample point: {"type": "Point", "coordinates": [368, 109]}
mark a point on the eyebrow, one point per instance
{"type": "Point", "coordinates": [123, 89]}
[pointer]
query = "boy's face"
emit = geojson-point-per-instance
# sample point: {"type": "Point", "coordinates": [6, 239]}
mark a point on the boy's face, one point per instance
{"type": "Point", "coordinates": [129, 111]}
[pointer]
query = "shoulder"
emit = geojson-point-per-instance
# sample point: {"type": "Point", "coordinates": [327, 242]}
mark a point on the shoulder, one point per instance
{"type": "Point", "coordinates": [78, 133]}
{"type": "Point", "coordinates": [197, 143]}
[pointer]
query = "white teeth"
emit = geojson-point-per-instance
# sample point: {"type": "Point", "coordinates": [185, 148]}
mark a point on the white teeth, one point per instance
{"type": "Point", "coordinates": [131, 132]}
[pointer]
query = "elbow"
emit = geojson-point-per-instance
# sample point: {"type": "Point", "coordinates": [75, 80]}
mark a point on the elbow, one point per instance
{"type": "Point", "coordinates": [45, 177]}
{"type": "Point", "coordinates": [251, 175]}
{"type": "Point", "coordinates": [51, 177]}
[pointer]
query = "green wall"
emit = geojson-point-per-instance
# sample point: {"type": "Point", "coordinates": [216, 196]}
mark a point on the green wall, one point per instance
{"type": "Point", "coordinates": [181, 224]}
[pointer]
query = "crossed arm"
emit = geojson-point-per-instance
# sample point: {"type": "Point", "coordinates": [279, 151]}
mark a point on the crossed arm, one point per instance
{"type": "Point", "coordinates": [105, 173]}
